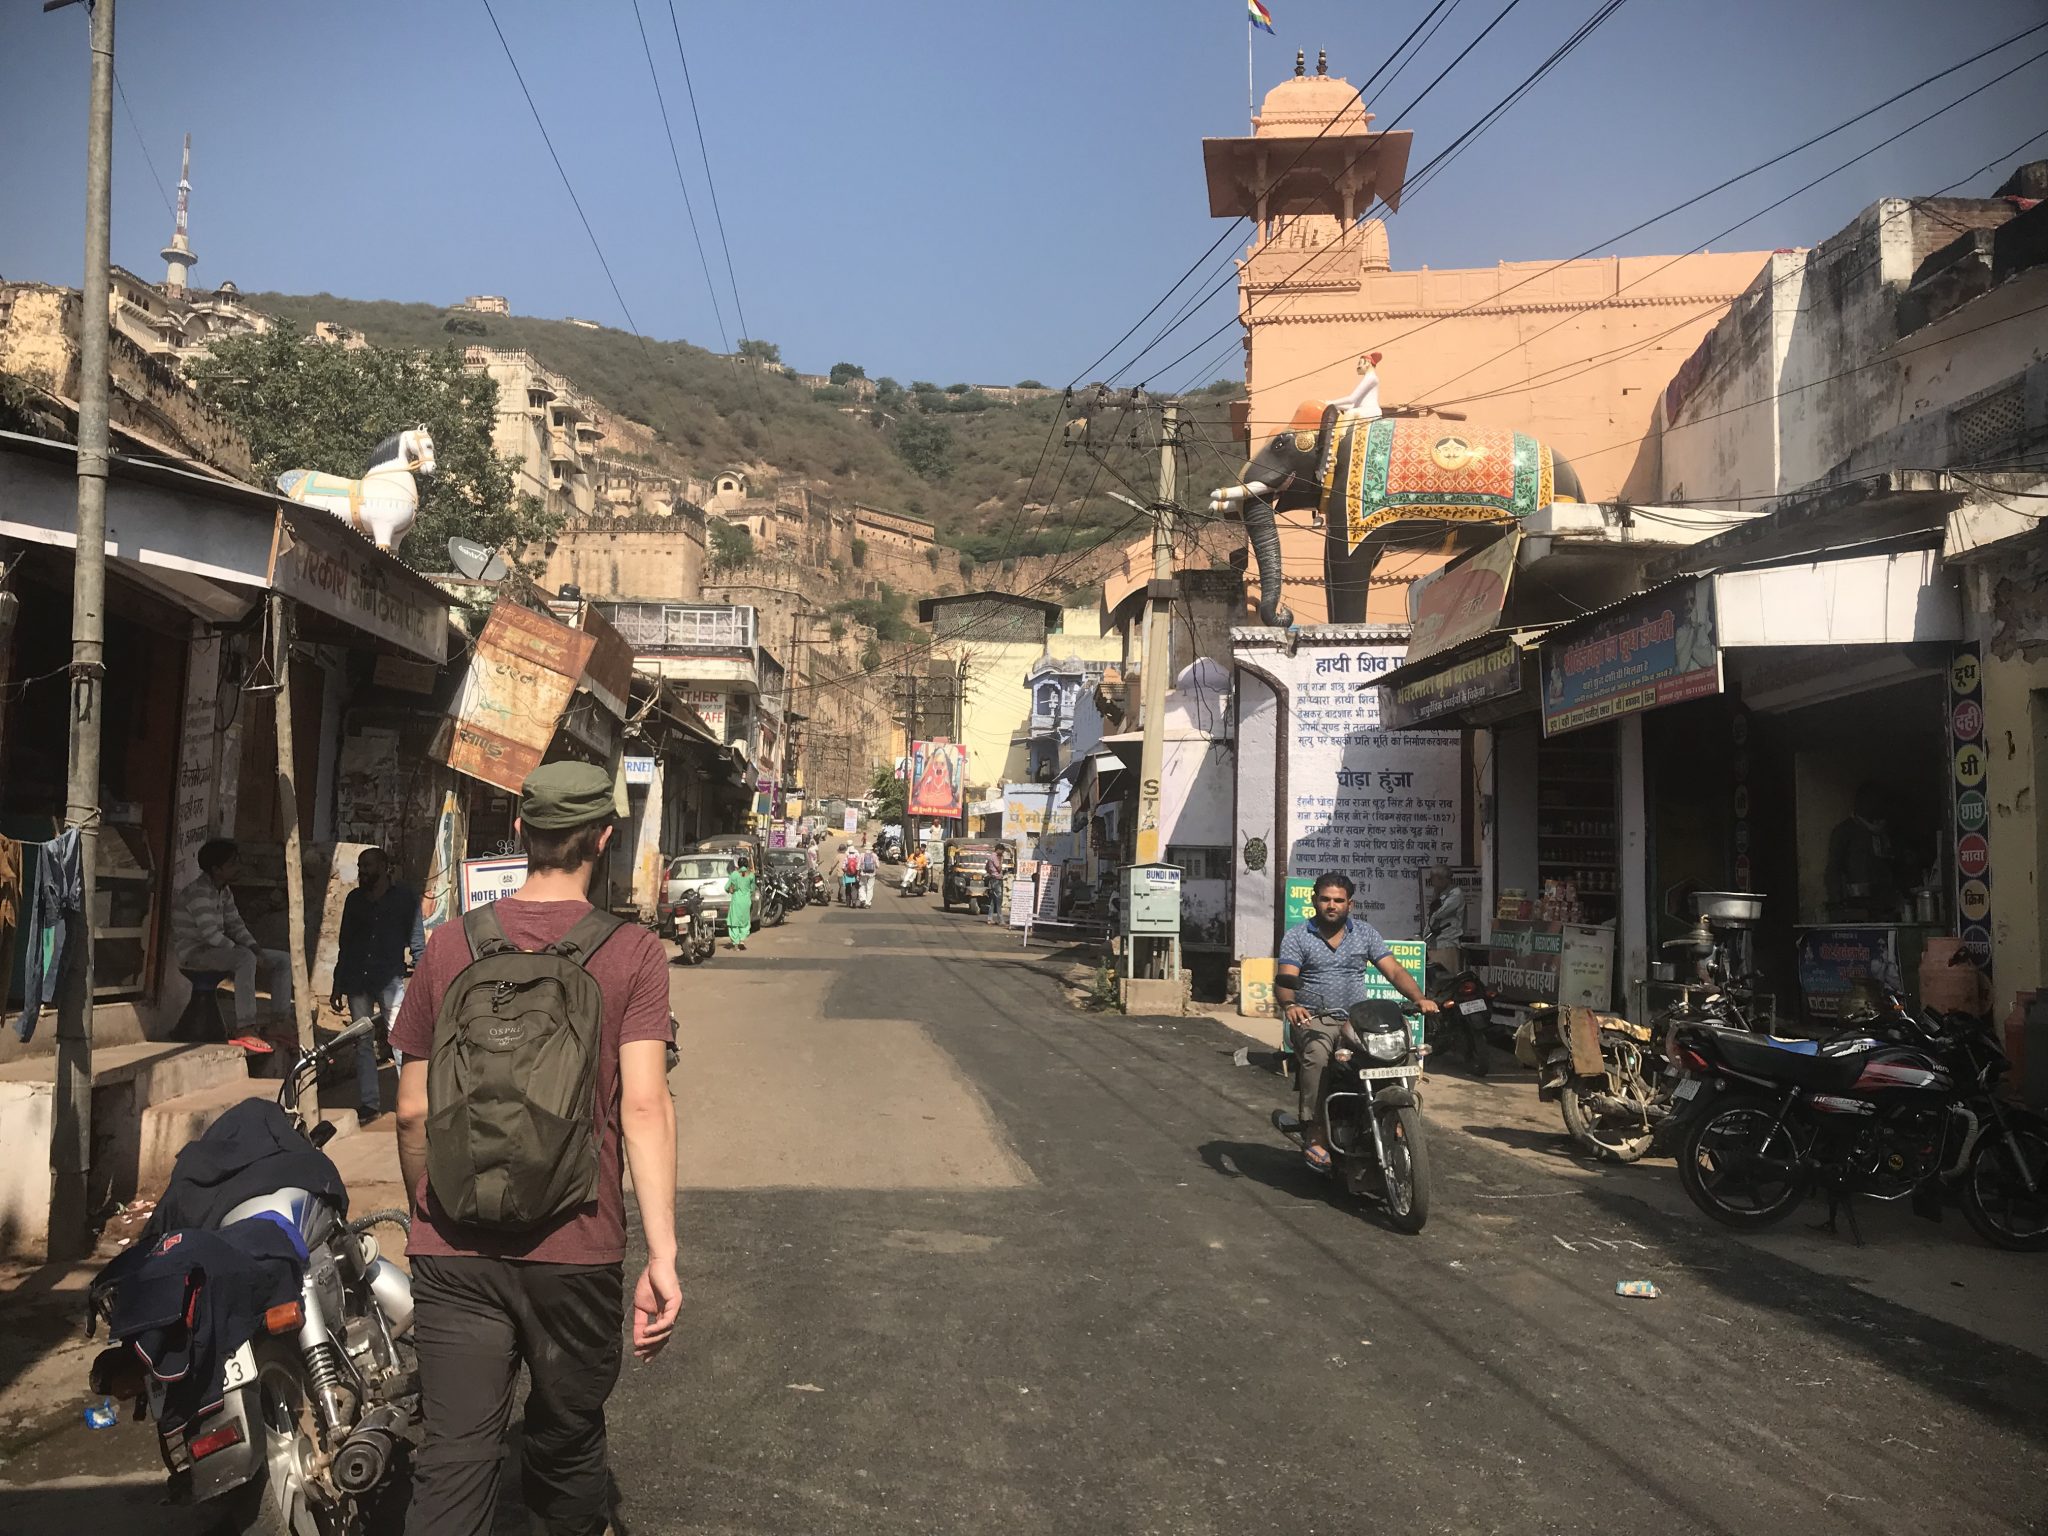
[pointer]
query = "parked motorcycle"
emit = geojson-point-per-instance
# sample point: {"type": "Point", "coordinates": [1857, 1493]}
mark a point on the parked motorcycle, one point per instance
{"type": "Point", "coordinates": [1909, 1109]}
{"type": "Point", "coordinates": [1463, 1022]}
{"type": "Point", "coordinates": [1371, 1114]}
{"type": "Point", "coordinates": [818, 894]}
{"type": "Point", "coordinates": [313, 1433]}
{"type": "Point", "coordinates": [696, 929]}
{"type": "Point", "coordinates": [1608, 1077]}
{"type": "Point", "coordinates": [772, 898]}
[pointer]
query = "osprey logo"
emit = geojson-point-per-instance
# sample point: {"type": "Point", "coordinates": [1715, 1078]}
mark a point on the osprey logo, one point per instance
{"type": "Point", "coordinates": [168, 1244]}
{"type": "Point", "coordinates": [504, 1036]}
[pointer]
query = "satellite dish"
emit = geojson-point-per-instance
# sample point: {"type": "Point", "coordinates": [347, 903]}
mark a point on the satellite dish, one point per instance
{"type": "Point", "coordinates": [476, 561]}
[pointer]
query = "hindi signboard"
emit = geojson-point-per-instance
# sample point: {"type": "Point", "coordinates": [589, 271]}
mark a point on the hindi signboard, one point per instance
{"type": "Point", "coordinates": [1656, 648]}
{"type": "Point", "coordinates": [1495, 673]}
{"type": "Point", "coordinates": [520, 680]}
{"type": "Point", "coordinates": [938, 779]}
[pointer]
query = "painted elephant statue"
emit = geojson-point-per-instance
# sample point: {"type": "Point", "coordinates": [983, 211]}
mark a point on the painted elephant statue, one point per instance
{"type": "Point", "coordinates": [1378, 481]}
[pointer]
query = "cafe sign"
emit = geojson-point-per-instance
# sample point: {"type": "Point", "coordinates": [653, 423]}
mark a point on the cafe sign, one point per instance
{"type": "Point", "coordinates": [1657, 648]}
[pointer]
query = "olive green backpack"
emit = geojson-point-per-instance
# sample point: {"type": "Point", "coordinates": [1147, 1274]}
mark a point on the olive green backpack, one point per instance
{"type": "Point", "coordinates": [512, 1079]}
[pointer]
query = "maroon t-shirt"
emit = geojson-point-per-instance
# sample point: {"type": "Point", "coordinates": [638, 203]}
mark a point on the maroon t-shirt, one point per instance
{"type": "Point", "coordinates": [631, 969]}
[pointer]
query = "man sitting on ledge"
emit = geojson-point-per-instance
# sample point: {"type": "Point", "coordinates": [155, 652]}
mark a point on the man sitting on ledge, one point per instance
{"type": "Point", "coordinates": [208, 934]}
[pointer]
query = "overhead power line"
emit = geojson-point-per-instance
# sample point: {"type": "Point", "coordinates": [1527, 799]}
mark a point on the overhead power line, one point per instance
{"type": "Point", "coordinates": [709, 181]}
{"type": "Point", "coordinates": [143, 144]}
{"type": "Point", "coordinates": [1571, 43]}
{"type": "Point", "coordinates": [567, 186]}
{"type": "Point", "coordinates": [1231, 228]}
{"type": "Point", "coordinates": [1572, 369]}
{"type": "Point", "coordinates": [710, 287]}
{"type": "Point", "coordinates": [1698, 197]}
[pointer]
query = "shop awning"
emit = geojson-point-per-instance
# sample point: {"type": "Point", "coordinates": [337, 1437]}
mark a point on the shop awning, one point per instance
{"type": "Point", "coordinates": [213, 545]}
{"type": "Point", "coordinates": [1902, 507]}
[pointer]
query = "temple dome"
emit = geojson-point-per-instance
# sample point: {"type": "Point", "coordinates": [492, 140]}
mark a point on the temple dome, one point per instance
{"type": "Point", "coordinates": [1301, 106]}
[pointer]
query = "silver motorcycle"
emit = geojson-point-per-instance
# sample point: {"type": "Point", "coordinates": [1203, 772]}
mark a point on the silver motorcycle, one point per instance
{"type": "Point", "coordinates": [319, 1411]}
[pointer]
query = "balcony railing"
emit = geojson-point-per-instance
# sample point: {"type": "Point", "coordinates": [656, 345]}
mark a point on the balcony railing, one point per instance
{"type": "Point", "coordinates": [682, 626]}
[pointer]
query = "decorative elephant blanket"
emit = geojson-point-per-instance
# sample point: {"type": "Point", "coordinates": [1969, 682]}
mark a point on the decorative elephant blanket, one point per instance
{"type": "Point", "coordinates": [1408, 469]}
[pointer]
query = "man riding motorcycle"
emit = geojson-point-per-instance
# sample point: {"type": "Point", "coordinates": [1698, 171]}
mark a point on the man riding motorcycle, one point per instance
{"type": "Point", "coordinates": [1321, 973]}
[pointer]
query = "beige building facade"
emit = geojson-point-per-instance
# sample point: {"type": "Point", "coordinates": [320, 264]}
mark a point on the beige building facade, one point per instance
{"type": "Point", "coordinates": [1574, 352]}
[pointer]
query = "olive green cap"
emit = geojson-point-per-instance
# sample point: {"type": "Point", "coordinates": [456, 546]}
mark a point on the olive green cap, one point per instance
{"type": "Point", "coordinates": [558, 795]}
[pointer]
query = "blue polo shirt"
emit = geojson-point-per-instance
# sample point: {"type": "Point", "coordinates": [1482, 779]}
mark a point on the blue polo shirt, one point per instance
{"type": "Point", "coordinates": [1332, 979]}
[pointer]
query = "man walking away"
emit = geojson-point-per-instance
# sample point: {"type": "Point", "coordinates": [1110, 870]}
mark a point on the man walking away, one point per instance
{"type": "Point", "coordinates": [208, 934]}
{"type": "Point", "coordinates": [870, 866]}
{"type": "Point", "coordinates": [519, 1224]}
{"type": "Point", "coordinates": [382, 936]}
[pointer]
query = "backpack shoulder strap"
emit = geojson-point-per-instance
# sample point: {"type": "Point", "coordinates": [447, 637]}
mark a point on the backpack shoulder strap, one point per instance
{"type": "Point", "coordinates": [587, 936]}
{"type": "Point", "coordinates": [485, 933]}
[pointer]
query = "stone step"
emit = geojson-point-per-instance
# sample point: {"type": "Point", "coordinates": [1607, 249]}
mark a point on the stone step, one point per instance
{"type": "Point", "coordinates": [144, 1073]}
{"type": "Point", "coordinates": [170, 1126]}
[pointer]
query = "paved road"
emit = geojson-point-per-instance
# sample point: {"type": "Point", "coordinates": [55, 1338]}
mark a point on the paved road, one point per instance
{"type": "Point", "coordinates": [959, 1257]}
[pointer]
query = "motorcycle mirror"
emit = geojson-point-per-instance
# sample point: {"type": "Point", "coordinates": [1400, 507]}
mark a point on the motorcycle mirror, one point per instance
{"type": "Point", "coordinates": [322, 1133]}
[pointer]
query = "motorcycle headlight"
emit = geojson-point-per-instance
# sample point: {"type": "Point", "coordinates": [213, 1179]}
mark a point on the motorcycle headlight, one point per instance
{"type": "Point", "coordinates": [1386, 1044]}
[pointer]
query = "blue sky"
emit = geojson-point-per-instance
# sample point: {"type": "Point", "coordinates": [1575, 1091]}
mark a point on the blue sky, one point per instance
{"type": "Point", "coordinates": [982, 191]}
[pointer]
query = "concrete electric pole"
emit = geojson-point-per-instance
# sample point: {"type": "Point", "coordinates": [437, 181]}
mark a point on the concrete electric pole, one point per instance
{"type": "Point", "coordinates": [1158, 641]}
{"type": "Point", "coordinates": [71, 1132]}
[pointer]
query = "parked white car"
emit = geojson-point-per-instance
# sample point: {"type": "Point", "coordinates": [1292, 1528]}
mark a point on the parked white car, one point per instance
{"type": "Point", "coordinates": [705, 873]}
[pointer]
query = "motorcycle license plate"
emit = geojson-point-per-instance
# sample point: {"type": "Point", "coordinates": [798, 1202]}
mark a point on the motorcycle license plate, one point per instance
{"type": "Point", "coordinates": [1473, 1005]}
{"type": "Point", "coordinates": [1373, 1073]}
{"type": "Point", "coordinates": [1686, 1090]}
{"type": "Point", "coordinates": [240, 1369]}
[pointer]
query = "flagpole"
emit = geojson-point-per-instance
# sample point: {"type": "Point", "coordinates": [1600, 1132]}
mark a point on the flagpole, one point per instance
{"type": "Point", "coordinates": [1251, 110]}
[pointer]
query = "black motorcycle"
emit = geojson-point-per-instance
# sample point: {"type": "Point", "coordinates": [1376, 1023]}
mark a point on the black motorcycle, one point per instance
{"type": "Point", "coordinates": [1908, 1110]}
{"type": "Point", "coordinates": [696, 929]}
{"type": "Point", "coordinates": [1463, 1024]}
{"type": "Point", "coordinates": [1371, 1114]}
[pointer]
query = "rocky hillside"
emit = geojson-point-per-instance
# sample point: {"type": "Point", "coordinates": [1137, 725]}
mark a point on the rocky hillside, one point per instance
{"type": "Point", "coordinates": [951, 455]}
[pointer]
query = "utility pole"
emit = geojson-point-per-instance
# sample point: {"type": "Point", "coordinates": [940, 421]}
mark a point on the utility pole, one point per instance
{"type": "Point", "coordinates": [71, 1130]}
{"type": "Point", "coordinates": [1158, 637]}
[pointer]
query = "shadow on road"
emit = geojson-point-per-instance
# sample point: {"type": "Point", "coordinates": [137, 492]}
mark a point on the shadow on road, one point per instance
{"type": "Point", "coordinates": [1278, 1168]}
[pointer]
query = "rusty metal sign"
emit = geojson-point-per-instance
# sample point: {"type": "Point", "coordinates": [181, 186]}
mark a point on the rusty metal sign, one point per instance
{"type": "Point", "coordinates": [520, 680]}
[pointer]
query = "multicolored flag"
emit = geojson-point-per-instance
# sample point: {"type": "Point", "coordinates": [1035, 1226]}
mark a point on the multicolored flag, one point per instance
{"type": "Point", "coordinates": [1260, 16]}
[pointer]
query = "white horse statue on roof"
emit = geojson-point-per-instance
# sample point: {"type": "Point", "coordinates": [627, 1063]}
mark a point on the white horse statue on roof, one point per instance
{"type": "Point", "coordinates": [385, 502]}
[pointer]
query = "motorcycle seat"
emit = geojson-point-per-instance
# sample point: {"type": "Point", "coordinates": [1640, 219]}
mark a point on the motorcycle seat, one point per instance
{"type": "Point", "coordinates": [1802, 1062]}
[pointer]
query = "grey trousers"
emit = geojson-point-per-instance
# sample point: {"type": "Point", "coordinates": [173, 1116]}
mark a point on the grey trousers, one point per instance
{"type": "Point", "coordinates": [1313, 1043]}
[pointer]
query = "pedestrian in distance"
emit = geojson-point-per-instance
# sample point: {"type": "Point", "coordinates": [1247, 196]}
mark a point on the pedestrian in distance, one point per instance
{"type": "Point", "coordinates": [869, 867]}
{"type": "Point", "coordinates": [208, 934]}
{"type": "Point", "coordinates": [513, 1160]}
{"type": "Point", "coordinates": [849, 877]}
{"type": "Point", "coordinates": [382, 938]}
{"type": "Point", "coordinates": [739, 917]}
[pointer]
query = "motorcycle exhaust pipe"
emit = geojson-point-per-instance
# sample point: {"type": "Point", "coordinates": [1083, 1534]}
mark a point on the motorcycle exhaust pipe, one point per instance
{"type": "Point", "coordinates": [360, 1464]}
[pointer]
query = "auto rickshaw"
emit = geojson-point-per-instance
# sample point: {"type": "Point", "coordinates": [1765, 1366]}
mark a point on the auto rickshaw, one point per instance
{"type": "Point", "coordinates": [974, 873]}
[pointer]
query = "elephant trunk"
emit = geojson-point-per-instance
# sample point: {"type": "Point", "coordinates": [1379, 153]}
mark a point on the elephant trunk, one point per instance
{"type": "Point", "coordinates": [1264, 535]}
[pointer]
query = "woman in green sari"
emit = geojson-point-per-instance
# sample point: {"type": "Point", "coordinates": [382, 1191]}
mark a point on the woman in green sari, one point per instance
{"type": "Point", "coordinates": [739, 917]}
